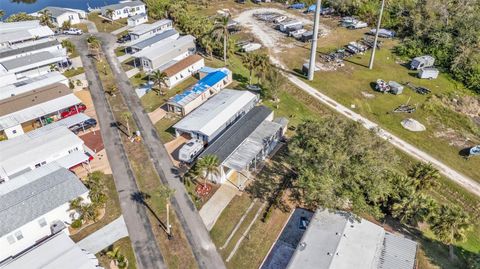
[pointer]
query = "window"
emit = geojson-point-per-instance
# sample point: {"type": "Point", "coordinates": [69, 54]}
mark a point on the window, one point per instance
{"type": "Point", "coordinates": [38, 165]}
{"type": "Point", "coordinates": [10, 239]}
{"type": "Point", "coordinates": [14, 131]}
{"type": "Point", "coordinates": [138, 8]}
{"type": "Point", "coordinates": [18, 235]}
{"type": "Point", "coordinates": [42, 222]}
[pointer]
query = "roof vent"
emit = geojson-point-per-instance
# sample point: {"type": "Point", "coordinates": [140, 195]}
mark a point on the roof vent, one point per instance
{"type": "Point", "coordinates": [329, 254]}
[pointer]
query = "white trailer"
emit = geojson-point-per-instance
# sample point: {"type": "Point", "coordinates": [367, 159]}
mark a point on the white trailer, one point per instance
{"type": "Point", "coordinates": [422, 62]}
{"type": "Point", "coordinates": [285, 26]}
{"type": "Point", "coordinates": [190, 150]}
{"type": "Point", "coordinates": [429, 73]}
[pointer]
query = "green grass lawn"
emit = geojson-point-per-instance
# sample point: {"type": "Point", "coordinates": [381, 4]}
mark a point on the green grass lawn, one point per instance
{"type": "Point", "coordinates": [138, 79]}
{"type": "Point", "coordinates": [73, 72]}
{"type": "Point", "coordinates": [164, 127]}
{"type": "Point", "coordinates": [120, 51]}
{"type": "Point", "coordinates": [104, 25]}
{"type": "Point", "coordinates": [125, 246]}
{"type": "Point", "coordinates": [81, 26]}
{"type": "Point", "coordinates": [152, 100]}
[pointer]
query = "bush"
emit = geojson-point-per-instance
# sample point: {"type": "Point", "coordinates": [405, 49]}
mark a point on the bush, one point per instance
{"type": "Point", "coordinates": [76, 224]}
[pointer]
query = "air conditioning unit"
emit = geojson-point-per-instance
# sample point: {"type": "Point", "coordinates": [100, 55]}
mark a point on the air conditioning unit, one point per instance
{"type": "Point", "coordinates": [57, 226]}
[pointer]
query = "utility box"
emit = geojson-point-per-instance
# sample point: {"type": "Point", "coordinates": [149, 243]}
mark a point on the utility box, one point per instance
{"type": "Point", "coordinates": [428, 73]}
{"type": "Point", "coordinates": [395, 87]}
{"type": "Point", "coordinates": [422, 62]}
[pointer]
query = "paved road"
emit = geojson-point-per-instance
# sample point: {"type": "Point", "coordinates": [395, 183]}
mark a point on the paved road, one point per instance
{"type": "Point", "coordinates": [464, 181]}
{"type": "Point", "coordinates": [104, 237]}
{"type": "Point", "coordinates": [203, 248]}
{"type": "Point", "coordinates": [146, 250]}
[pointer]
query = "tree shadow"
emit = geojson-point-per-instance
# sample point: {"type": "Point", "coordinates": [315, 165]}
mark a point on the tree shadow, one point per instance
{"type": "Point", "coordinates": [240, 78]}
{"type": "Point", "coordinates": [120, 126]}
{"type": "Point", "coordinates": [141, 198]}
{"type": "Point", "coordinates": [465, 153]}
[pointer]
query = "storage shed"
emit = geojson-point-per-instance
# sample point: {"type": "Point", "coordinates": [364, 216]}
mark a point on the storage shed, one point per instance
{"type": "Point", "coordinates": [395, 87]}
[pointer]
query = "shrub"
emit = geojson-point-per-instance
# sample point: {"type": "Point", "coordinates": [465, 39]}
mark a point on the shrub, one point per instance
{"type": "Point", "coordinates": [76, 224]}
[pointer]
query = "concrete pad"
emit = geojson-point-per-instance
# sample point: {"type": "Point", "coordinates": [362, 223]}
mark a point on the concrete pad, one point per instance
{"type": "Point", "coordinates": [76, 62]}
{"type": "Point", "coordinates": [99, 163]}
{"type": "Point", "coordinates": [173, 147]}
{"type": "Point", "coordinates": [215, 206]}
{"type": "Point", "coordinates": [104, 237]}
{"type": "Point", "coordinates": [132, 72]}
{"type": "Point", "coordinates": [119, 30]}
{"type": "Point", "coordinates": [157, 114]}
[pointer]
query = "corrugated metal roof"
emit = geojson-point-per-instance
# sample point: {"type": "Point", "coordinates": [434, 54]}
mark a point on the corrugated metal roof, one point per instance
{"type": "Point", "coordinates": [123, 5]}
{"type": "Point", "coordinates": [28, 60]}
{"type": "Point", "coordinates": [30, 148]}
{"type": "Point", "coordinates": [20, 25]}
{"type": "Point", "coordinates": [215, 112]}
{"type": "Point", "coordinates": [35, 46]}
{"type": "Point", "coordinates": [252, 146]}
{"type": "Point", "coordinates": [183, 99]}
{"type": "Point", "coordinates": [154, 39]}
{"type": "Point", "coordinates": [148, 27]}
{"type": "Point", "coordinates": [36, 193]}
{"type": "Point", "coordinates": [34, 112]}
{"type": "Point", "coordinates": [397, 253]}
{"type": "Point", "coordinates": [163, 49]}
{"type": "Point", "coordinates": [58, 251]}
{"type": "Point", "coordinates": [229, 141]}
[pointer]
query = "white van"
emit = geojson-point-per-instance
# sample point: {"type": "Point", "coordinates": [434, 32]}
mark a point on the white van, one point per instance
{"type": "Point", "coordinates": [190, 150]}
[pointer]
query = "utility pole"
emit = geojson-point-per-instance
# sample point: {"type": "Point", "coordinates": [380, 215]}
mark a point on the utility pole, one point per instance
{"type": "Point", "coordinates": [372, 57]}
{"type": "Point", "coordinates": [313, 51]}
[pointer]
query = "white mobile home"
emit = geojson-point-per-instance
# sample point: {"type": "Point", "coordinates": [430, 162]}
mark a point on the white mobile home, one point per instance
{"type": "Point", "coordinates": [60, 15]}
{"type": "Point", "coordinates": [40, 147]}
{"type": "Point", "coordinates": [137, 20]}
{"type": "Point", "coordinates": [155, 57]}
{"type": "Point", "coordinates": [149, 29]}
{"type": "Point", "coordinates": [183, 69]}
{"type": "Point", "coordinates": [209, 120]}
{"type": "Point", "coordinates": [30, 84]}
{"type": "Point", "coordinates": [15, 33]}
{"type": "Point", "coordinates": [123, 10]}
{"type": "Point", "coordinates": [35, 205]}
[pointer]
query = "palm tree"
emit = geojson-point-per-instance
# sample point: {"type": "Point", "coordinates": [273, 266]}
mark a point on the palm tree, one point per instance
{"type": "Point", "coordinates": [76, 204]}
{"type": "Point", "coordinates": [220, 32]}
{"type": "Point", "coordinates": [94, 43]}
{"type": "Point", "coordinates": [114, 253]}
{"type": "Point", "coordinates": [249, 60]}
{"type": "Point", "coordinates": [109, 13]}
{"type": "Point", "coordinates": [166, 193]}
{"type": "Point", "coordinates": [112, 90]}
{"type": "Point", "coordinates": [208, 166]}
{"type": "Point", "coordinates": [127, 115]}
{"type": "Point", "coordinates": [262, 63]}
{"type": "Point", "coordinates": [2, 13]}
{"type": "Point", "coordinates": [412, 210]}
{"type": "Point", "coordinates": [207, 43]}
{"type": "Point", "coordinates": [45, 18]}
{"type": "Point", "coordinates": [425, 174]}
{"type": "Point", "coordinates": [66, 25]}
{"type": "Point", "coordinates": [160, 80]}
{"type": "Point", "coordinates": [68, 45]}
{"type": "Point", "coordinates": [449, 225]}
{"type": "Point", "coordinates": [96, 189]}
{"type": "Point", "coordinates": [89, 212]}
{"type": "Point", "coordinates": [117, 257]}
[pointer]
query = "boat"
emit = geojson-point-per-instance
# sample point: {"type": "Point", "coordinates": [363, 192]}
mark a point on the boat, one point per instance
{"type": "Point", "coordinates": [475, 150]}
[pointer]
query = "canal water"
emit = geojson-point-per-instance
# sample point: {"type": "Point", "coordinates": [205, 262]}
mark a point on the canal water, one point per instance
{"type": "Point", "coordinates": [30, 6]}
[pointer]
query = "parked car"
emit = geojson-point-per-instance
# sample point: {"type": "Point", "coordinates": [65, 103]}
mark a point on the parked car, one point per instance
{"type": "Point", "coordinates": [90, 123]}
{"type": "Point", "coordinates": [73, 110]}
{"type": "Point", "coordinates": [123, 39]}
{"type": "Point", "coordinates": [73, 31]}
{"type": "Point", "coordinates": [303, 223]}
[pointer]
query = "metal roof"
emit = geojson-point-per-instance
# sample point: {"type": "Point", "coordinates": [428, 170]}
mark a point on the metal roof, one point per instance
{"type": "Point", "coordinates": [338, 240]}
{"type": "Point", "coordinates": [34, 112]}
{"type": "Point", "coordinates": [33, 47]}
{"type": "Point", "coordinates": [154, 39]}
{"type": "Point", "coordinates": [123, 5]}
{"type": "Point", "coordinates": [20, 25]}
{"type": "Point", "coordinates": [36, 193]}
{"type": "Point", "coordinates": [138, 16]}
{"type": "Point", "coordinates": [36, 59]}
{"type": "Point", "coordinates": [252, 146]}
{"type": "Point", "coordinates": [163, 49]}
{"type": "Point", "coordinates": [31, 84]}
{"type": "Point", "coordinates": [229, 141]}
{"type": "Point", "coordinates": [397, 253]}
{"type": "Point", "coordinates": [57, 11]}
{"type": "Point", "coordinates": [215, 112]}
{"type": "Point", "coordinates": [30, 148]}
{"type": "Point", "coordinates": [58, 251]}
{"type": "Point", "coordinates": [148, 27]}
{"type": "Point", "coordinates": [184, 98]}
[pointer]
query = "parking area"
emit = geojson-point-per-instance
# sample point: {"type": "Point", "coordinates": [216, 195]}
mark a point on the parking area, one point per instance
{"type": "Point", "coordinates": [283, 249]}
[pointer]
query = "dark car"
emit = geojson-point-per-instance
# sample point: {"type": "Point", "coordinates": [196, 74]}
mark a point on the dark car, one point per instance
{"type": "Point", "coordinates": [90, 123]}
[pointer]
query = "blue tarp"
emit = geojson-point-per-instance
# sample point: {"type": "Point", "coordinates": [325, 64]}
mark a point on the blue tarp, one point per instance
{"type": "Point", "coordinates": [312, 8]}
{"type": "Point", "coordinates": [297, 6]}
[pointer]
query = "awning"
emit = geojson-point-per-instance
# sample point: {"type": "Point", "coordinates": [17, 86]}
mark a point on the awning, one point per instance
{"type": "Point", "coordinates": [73, 159]}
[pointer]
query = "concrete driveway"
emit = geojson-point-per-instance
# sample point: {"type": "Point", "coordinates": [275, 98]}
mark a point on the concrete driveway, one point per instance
{"type": "Point", "coordinates": [215, 206]}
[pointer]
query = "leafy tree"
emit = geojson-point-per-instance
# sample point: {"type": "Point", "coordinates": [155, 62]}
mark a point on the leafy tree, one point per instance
{"type": "Point", "coordinates": [66, 25]}
{"type": "Point", "coordinates": [45, 18]}
{"type": "Point", "coordinates": [341, 165]}
{"type": "Point", "coordinates": [220, 32]}
{"type": "Point", "coordinates": [22, 16]}
{"type": "Point", "coordinates": [109, 13]}
{"type": "Point", "coordinates": [208, 166]}
{"type": "Point", "coordinates": [88, 212]}
{"type": "Point", "coordinates": [76, 204]}
{"type": "Point", "coordinates": [449, 225]}
{"type": "Point", "coordinates": [207, 43]}
{"type": "Point", "coordinates": [2, 13]}
{"type": "Point", "coordinates": [262, 64]}
{"type": "Point", "coordinates": [276, 82]}
{"type": "Point", "coordinates": [94, 44]}
{"type": "Point", "coordinates": [249, 61]}
{"type": "Point", "coordinates": [425, 174]}
{"type": "Point", "coordinates": [160, 80]}
{"type": "Point", "coordinates": [415, 209]}
{"type": "Point", "coordinates": [96, 188]}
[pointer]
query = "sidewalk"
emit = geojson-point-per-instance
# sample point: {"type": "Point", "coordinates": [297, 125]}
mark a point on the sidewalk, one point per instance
{"type": "Point", "coordinates": [104, 237]}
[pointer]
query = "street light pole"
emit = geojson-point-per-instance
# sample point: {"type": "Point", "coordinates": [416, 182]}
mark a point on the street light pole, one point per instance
{"type": "Point", "coordinates": [313, 51]}
{"type": "Point", "coordinates": [372, 57]}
